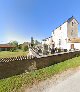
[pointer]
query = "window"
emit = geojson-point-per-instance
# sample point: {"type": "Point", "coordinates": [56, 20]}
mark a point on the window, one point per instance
{"type": "Point", "coordinates": [60, 28]}
{"type": "Point", "coordinates": [53, 32]}
{"type": "Point", "coordinates": [72, 23]}
{"type": "Point", "coordinates": [59, 41]}
{"type": "Point", "coordinates": [72, 33]}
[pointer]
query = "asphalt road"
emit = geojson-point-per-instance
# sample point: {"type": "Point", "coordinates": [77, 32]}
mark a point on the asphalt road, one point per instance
{"type": "Point", "coordinates": [71, 84]}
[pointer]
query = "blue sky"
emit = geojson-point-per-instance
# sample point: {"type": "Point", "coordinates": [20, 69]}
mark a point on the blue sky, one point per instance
{"type": "Point", "coordinates": [21, 19]}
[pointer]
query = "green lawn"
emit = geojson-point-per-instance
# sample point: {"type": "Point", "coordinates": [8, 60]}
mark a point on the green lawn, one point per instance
{"type": "Point", "coordinates": [14, 83]}
{"type": "Point", "coordinates": [7, 54]}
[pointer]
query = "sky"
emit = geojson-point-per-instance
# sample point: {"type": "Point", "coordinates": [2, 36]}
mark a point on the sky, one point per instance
{"type": "Point", "coordinates": [22, 19]}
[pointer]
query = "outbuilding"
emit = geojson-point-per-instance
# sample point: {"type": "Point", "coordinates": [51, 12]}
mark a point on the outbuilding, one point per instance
{"type": "Point", "coordinates": [6, 47]}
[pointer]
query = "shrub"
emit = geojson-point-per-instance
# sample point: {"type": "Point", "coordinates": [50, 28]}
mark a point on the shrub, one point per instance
{"type": "Point", "coordinates": [59, 50]}
{"type": "Point", "coordinates": [52, 51]}
{"type": "Point", "coordinates": [65, 50]}
{"type": "Point", "coordinates": [25, 47]}
{"type": "Point", "coordinates": [12, 49]}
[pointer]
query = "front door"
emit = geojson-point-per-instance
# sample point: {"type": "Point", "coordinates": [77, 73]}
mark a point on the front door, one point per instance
{"type": "Point", "coordinates": [72, 46]}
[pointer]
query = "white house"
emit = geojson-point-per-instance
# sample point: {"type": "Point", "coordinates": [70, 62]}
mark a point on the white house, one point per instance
{"type": "Point", "coordinates": [65, 36]}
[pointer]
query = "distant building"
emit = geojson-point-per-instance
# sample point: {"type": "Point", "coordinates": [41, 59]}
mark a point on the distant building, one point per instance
{"type": "Point", "coordinates": [6, 47]}
{"type": "Point", "coordinates": [65, 36]}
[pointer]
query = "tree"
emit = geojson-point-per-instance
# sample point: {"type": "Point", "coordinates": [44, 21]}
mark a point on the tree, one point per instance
{"type": "Point", "coordinates": [32, 41]}
{"type": "Point", "coordinates": [37, 42]}
{"type": "Point", "coordinates": [20, 46]}
{"type": "Point", "coordinates": [14, 43]}
{"type": "Point", "coordinates": [25, 47]}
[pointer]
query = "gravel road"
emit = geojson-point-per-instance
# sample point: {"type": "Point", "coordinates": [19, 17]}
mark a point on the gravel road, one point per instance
{"type": "Point", "coordinates": [69, 81]}
{"type": "Point", "coordinates": [71, 84]}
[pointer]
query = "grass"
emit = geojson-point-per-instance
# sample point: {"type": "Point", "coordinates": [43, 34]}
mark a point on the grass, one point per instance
{"type": "Point", "coordinates": [6, 54]}
{"type": "Point", "coordinates": [14, 83]}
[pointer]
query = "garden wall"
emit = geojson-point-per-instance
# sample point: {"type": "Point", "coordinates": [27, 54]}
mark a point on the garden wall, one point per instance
{"type": "Point", "coordinates": [15, 66]}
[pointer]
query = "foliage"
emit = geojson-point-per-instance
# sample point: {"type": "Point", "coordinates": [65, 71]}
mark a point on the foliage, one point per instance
{"type": "Point", "coordinates": [59, 50]}
{"type": "Point", "coordinates": [65, 50]}
{"type": "Point", "coordinates": [25, 48]}
{"type": "Point", "coordinates": [12, 49]}
{"type": "Point", "coordinates": [37, 42]}
{"type": "Point", "coordinates": [13, 84]}
{"type": "Point", "coordinates": [20, 46]}
{"type": "Point", "coordinates": [52, 51]}
{"type": "Point", "coordinates": [14, 43]}
{"type": "Point", "coordinates": [32, 41]}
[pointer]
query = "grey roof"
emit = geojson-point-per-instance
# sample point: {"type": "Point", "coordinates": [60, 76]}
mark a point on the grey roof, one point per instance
{"type": "Point", "coordinates": [71, 18]}
{"type": "Point", "coordinates": [68, 20]}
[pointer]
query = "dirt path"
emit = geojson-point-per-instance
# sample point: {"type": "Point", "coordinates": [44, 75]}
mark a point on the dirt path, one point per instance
{"type": "Point", "coordinates": [59, 82]}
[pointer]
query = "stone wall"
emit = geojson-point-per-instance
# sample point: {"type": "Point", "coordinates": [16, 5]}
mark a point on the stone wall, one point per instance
{"type": "Point", "coordinates": [11, 66]}
{"type": "Point", "coordinates": [72, 31]}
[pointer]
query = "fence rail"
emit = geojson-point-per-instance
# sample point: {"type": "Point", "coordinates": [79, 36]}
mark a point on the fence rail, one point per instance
{"type": "Point", "coordinates": [19, 58]}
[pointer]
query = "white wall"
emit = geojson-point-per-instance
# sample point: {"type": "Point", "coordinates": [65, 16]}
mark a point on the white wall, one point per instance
{"type": "Point", "coordinates": [48, 41]}
{"type": "Point", "coordinates": [60, 34]}
{"type": "Point", "coordinates": [63, 33]}
{"type": "Point", "coordinates": [76, 46]}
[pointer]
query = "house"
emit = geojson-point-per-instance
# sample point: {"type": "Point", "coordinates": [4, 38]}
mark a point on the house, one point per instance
{"type": "Point", "coordinates": [6, 47]}
{"type": "Point", "coordinates": [48, 43]}
{"type": "Point", "coordinates": [65, 36]}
